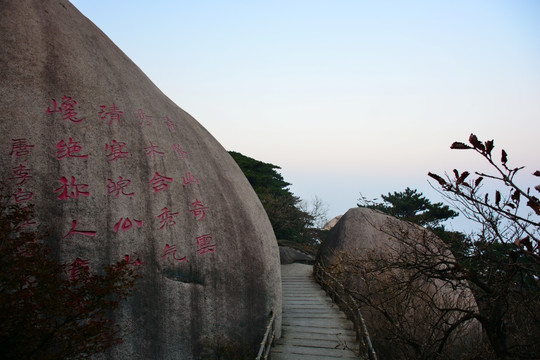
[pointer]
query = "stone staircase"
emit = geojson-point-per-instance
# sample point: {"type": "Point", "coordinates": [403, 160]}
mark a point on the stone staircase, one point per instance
{"type": "Point", "coordinates": [313, 327]}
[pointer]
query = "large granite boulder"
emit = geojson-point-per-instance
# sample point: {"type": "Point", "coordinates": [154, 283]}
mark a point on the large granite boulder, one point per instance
{"type": "Point", "coordinates": [115, 168]}
{"type": "Point", "coordinates": [290, 255]}
{"type": "Point", "coordinates": [376, 257]}
{"type": "Point", "coordinates": [293, 252]}
{"type": "Point", "coordinates": [330, 224]}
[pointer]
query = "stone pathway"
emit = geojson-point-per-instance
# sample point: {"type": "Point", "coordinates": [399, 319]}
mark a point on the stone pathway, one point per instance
{"type": "Point", "coordinates": [313, 326]}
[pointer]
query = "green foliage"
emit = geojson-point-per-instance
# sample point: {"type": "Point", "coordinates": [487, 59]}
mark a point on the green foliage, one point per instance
{"type": "Point", "coordinates": [263, 177]}
{"type": "Point", "coordinates": [412, 206]}
{"type": "Point", "coordinates": [288, 219]}
{"type": "Point", "coordinates": [50, 310]}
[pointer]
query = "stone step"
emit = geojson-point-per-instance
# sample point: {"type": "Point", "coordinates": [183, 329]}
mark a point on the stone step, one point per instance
{"type": "Point", "coordinates": [281, 356]}
{"type": "Point", "coordinates": [313, 327]}
{"type": "Point", "coordinates": [314, 352]}
{"type": "Point", "coordinates": [294, 331]}
{"type": "Point", "coordinates": [321, 314]}
{"type": "Point", "coordinates": [339, 336]}
{"type": "Point", "coordinates": [301, 324]}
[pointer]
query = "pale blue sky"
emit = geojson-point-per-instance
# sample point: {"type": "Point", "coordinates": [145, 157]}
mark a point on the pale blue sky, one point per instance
{"type": "Point", "coordinates": [345, 96]}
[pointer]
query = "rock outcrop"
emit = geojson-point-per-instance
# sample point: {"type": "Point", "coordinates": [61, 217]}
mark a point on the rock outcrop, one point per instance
{"type": "Point", "coordinates": [290, 255]}
{"type": "Point", "coordinates": [330, 224]}
{"type": "Point", "coordinates": [114, 168]}
{"type": "Point", "coordinates": [367, 250]}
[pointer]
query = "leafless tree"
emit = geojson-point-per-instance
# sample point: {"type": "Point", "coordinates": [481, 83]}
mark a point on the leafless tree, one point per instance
{"type": "Point", "coordinates": [318, 209]}
{"type": "Point", "coordinates": [404, 286]}
{"type": "Point", "coordinates": [502, 260]}
{"type": "Point", "coordinates": [413, 308]}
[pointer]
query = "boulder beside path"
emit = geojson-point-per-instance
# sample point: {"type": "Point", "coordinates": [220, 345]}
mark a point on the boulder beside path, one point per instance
{"type": "Point", "coordinates": [365, 249]}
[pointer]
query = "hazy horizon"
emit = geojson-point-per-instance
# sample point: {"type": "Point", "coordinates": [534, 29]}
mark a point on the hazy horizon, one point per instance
{"type": "Point", "coordinates": [347, 97]}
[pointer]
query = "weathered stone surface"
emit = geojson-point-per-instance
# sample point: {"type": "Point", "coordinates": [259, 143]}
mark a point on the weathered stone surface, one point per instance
{"type": "Point", "coordinates": [356, 230]}
{"type": "Point", "coordinates": [140, 177]}
{"type": "Point", "coordinates": [361, 233]}
{"type": "Point", "coordinates": [289, 255]}
{"type": "Point", "coordinates": [330, 224]}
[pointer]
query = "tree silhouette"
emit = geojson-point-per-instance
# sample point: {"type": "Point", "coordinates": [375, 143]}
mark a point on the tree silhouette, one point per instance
{"type": "Point", "coordinates": [289, 219]}
{"type": "Point", "coordinates": [411, 205]}
{"type": "Point", "coordinates": [502, 260]}
{"type": "Point", "coordinates": [499, 264]}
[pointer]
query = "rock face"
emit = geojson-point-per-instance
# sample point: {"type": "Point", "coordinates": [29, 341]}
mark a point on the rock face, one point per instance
{"type": "Point", "coordinates": [358, 250]}
{"type": "Point", "coordinates": [357, 230]}
{"type": "Point", "coordinates": [329, 225]}
{"type": "Point", "coordinates": [115, 168]}
{"type": "Point", "coordinates": [289, 255]}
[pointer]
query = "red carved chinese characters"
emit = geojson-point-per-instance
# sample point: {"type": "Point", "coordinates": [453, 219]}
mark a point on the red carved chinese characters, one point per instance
{"type": "Point", "coordinates": [188, 178]}
{"type": "Point", "coordinates": [78, 267]}
{"type": "Point", "coordinates": [20, 174]}
{"type": "Point", "coordinates": [171, 249]}
{"type": "Point", "coordinates": [71, 190]}
{"type": "Point", "coordinates": [135, 262]}
{"type": "Point", "coordinates": [198, 210]}
{"type": "Point", "coordinates": [20, 148]}
{"type": "Point", "coordinates": [66, 108]}
{"type": "Point", "coordinates": [118, 187]}
{"type": "Point", "coordinates": [28, 222]}
{"type": "Point", "coordinates": [143, 118]}
{"type": "Point", "coordinates": [22, 196]}
{"type": "Point", "coordinates": [204, 244]}
{"type": "Point", "coordinates": [125, 224]}
{"type": "Point", "coordinates": [116, 150]}
{"type": "Point", "coordinates": [69, 149]}
{"type": "Point", "coordinates": [112, 113]}
{"type": "Point", "coordinates": [166, 218]}
{"type": "Point", "coordinates": [159, 182]}
{"type": "Point", "coordinates": [172, 126]}
{"type": "Point", "coordinates": [75, 231]}
{"type": "Point", "coordinates": [181, 153]}
{"type": "Point", "coordinates": [152, 150]}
